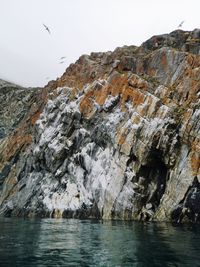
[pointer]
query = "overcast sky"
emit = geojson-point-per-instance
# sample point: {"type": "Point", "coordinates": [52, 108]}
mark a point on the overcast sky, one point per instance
{"type": "Point", "coordinates": [30, 56]}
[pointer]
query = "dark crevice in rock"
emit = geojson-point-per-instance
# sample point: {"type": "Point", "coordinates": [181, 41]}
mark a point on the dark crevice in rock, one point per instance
{"type": "Point", "coordinates": [113, 104]}
{"type": "Point", "coordinates": [71, 129]}
{"type": "Point", "coordinates": [4, 173]}
{"type": "Point", "coordinates": [85, 212]}
{"type": "Point", "coordinates": [151, 180]}
{"type": "Point", "coordinates": [79, 160]}
{"type": "Point", "coordinates": [7, 211]}
{"type": "Point", "coordinates": [100, 137]}
{"type": "Point", "coordinates": [157, 176]}
{"type": "Point", "coordinates": [132, 158]}
{"type": "Point", "coordinates": [188, 209]}
{"type": "Point", "coordinates": [21, 187]}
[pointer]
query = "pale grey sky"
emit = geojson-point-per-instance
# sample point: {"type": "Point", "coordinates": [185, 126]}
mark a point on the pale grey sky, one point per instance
{"type": "Point", "coordinates": [30, 56]}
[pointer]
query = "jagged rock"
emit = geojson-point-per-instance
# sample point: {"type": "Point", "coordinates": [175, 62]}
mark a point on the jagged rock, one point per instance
{"type": "Point", "coordinates": [15, 103]}
{"type": "Point", "coordinates": [116, 137]}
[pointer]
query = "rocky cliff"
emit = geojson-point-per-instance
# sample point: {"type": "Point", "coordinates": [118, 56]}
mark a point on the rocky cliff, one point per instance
{"type": "Point", "coordinates": [116, 137]}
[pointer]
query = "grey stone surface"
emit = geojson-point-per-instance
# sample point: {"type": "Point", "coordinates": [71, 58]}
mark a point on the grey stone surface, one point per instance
{"type": "Point", "coordinates": [120, 144]}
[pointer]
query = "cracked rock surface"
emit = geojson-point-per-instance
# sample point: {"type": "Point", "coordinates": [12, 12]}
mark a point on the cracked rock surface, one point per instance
{"type": "Point", "coordinates": [116, 137]}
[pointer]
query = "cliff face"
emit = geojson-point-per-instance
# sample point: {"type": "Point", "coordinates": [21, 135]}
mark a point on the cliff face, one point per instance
{"type": "Point", "coordinates": [116, 137]}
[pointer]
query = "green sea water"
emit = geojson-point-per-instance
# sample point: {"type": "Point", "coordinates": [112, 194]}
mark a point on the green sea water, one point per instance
{"type": "Point", "coordinates": [62, 242]}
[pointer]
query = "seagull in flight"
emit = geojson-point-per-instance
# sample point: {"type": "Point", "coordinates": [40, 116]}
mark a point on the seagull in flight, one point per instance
{"type": "Point", "coordinates": [47, 28]}
{"type": "Point", "coordinates": [181, 24]}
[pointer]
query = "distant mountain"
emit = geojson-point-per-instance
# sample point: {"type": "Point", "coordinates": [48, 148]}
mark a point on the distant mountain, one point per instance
{"type": "Point", "coordinates": [116, 137]}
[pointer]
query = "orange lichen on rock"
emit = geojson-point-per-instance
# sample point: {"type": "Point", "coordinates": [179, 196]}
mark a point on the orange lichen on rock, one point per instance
{"type": "Point", "coordinates": [195, 157]}
{"type": "Point", "coordinates": [86, 106]}
{"type": "Point", "coordinates": [122, 136]}
{"type": "Point", "coordinates": [121, 85]}
{"type": "Point", "coordinates": [188, 84]}
{"type": "Point", "coordinates": [136, 119]}
{"type": "Point", "coordinates": [193, 61]}
{"type": "Point", "coordinates": [16, 142]}
{"type": "Point", "coordinates": [122, 139]}
{"type": "Point", "coordinates": [35, 117]}
{"type": "Point", "coordinates": [133, 95]}
{"type": "Point", "coordinates": [118, 86]}
{"type": "Point", "coordinates": [101, 95]}
{"type": "Point", "coordinates": [164, 60]}
{"type": "Point", "coordinates": [136, 82]}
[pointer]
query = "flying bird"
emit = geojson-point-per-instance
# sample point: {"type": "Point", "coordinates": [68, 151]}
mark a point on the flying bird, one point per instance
{"type": "Point", "coordinates": [62, 58]}
{"type": "Point", "coordinates": [181, 24]}
{"type": "Point", "coordinates": [61, 62]}
{"type": "Point", "coordinates": [47, 28]}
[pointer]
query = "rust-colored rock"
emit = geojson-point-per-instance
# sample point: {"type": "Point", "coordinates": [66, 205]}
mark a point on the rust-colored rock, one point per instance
{"type": "Point", "coordinates": [115, 137]}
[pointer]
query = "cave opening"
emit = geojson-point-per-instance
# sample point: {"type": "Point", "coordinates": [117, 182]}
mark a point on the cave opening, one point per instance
{"type": "Point", "coordinates": [152, 179]}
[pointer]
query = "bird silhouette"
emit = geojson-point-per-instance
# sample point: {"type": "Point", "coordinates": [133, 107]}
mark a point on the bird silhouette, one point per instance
{"type": "Point", "coordinates": [181, 24]}
{"type": "Point", "coordinates": [47, 28]}
{"type": "Point", "coordinates": [62, 58]}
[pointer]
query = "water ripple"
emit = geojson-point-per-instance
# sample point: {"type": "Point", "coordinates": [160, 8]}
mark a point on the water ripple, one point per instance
{"type": "Point", "coordinates": [61, 242]}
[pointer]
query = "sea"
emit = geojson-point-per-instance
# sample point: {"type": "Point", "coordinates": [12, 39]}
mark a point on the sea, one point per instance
{"type": "Point", "coordinates": [70, 242]}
